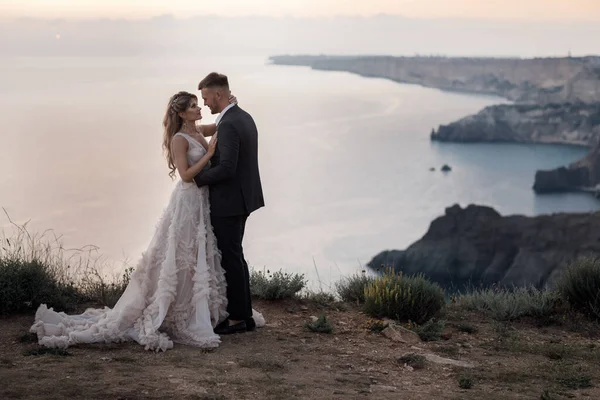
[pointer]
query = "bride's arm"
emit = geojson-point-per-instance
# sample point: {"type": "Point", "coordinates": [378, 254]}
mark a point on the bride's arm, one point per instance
{"type": "Point", "coordinates": [208, 130]}
{"type": "Point", "coordinates": [186, 172]}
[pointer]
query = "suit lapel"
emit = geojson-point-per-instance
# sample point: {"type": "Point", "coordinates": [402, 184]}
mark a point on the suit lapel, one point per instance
{"type": "Point", "coordinates": [228, 114]}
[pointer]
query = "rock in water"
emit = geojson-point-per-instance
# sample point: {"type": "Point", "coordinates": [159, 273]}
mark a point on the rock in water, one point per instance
{"type": "Point", "coordinates": [581, 175]}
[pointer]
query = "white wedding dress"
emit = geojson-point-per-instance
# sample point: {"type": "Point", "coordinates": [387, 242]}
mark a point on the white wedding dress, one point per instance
{"type": "Point", "coordinates": [177, 293]}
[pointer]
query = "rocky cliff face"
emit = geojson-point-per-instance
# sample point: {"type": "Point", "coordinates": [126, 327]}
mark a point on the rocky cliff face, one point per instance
{"type": "Point", "coordinates": [568, 123]}
{"type": "Point", "coordinates": [539, 80]}
{"type": "Point", "coordinates": [582, 175]}
{"type": "Point", "coordinates": [478, 246]}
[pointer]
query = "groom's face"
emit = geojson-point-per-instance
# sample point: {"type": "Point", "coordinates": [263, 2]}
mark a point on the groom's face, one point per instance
{"type": "Point", "coordinates": [211, 98]}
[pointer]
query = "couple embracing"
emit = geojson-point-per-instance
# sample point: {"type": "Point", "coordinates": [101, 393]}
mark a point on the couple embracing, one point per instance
{"type": "Point", "coordinates": [192, 283]}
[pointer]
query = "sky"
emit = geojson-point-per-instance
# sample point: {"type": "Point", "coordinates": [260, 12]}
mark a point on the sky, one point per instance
{"type": "Point", "coordinates": [540, 10]}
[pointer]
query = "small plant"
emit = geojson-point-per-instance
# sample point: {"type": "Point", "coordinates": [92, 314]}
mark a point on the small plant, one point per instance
{"type": "Point", "coordinates": [580, 286]}
{"type": "Point", "coordinates": [503, 330]}
{"type": "Point", "coordinates": [506, 305]}
{"type": "Point", "coordinates": [575, 381]}
{"type": "Point", "coordinates": [395, 296]}
{"type": "Point", "coordinates": [320, 299]}
{"type": "Point", "coordinates": [449, 350]}
{"type": "Point", "coordinates": [467, 328]}
{"type": "Point", "coordinates": [321, 325]}
{"type": "Point", "coordinates": [376, 325]}
{"type": "Point", "coordinates": [105, 291]}
{"type": "Point", "coordinates": [554, 352]}
{"type": "Point", "coordinates": [431, 331]}
{"type": "Point", "coordinates": [275, 286]}
{"type": "Point", "coordinates": [416, 361]}
{"type": "Point", "coordinates": [24, 285]}
{"type": "Point", "coordinates": [44, 350]}
{"type": "Point", "coordinates": [352, 288]}
{"type": "Point", "coordinates": [36, 269]}
{"type": "Point", "coordinates": [546, 395]}
{"type": "Point", "coordinates": [28, 338]}
{"type": "Point", "coordinates": [465, 382]}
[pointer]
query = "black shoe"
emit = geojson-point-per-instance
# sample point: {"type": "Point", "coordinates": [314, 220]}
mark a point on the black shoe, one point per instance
{"type": "Point", "coordinates": [223, 324]}
{"type": "Point", "coordinates": [240, 327]}
{"type": "Point", "coordinates": [250, 324]}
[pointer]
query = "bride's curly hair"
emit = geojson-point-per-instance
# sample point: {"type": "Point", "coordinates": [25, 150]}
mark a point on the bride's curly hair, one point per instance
{"type": "Point", "coordinates": [172, 123]}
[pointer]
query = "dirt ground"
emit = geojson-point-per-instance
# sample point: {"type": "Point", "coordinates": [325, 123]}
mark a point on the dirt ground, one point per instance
{"type": "Point", "coordinates": [286, 361]}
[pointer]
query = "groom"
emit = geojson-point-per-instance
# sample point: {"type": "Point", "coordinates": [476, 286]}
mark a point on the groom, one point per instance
{"type": "Point", "coordinates": [235, 192]}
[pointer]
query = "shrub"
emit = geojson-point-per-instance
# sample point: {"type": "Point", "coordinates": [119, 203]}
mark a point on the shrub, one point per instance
{"type": "Point", "coordinates": [24, 285]}
{"type": "Point", "coordinates": [321, 325]}
{"type": "Point", "coordinates": [508, 305]}
{"type": "Point", "coordinates": [465, 382]}
{"type": "Point", "coordinates": [320, 299]}
{"type": "Point", "coordinates": [431, 331]}
{"type": "Point", "coordinates": [467, 328]}
{"type": "Point", "coordinates": [375, 325]}
{"type": "Point", "coordinates": [416, 361]}
{"type": "Point", "coordinates": [580, 286]}
{"type": "Point", "coordinates": [352, 288]}
{"type": "Point", "coordinates": [102, 290]}
{"type": "Point", "coordinates": [275, 286]}
{"type": "Point", "coordinates": [37, 269]}
{"type": "Point", "coordinates": [403, 298]}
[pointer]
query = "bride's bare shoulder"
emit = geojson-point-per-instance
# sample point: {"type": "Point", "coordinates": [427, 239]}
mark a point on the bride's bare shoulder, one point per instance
{"type": "Point", "coordinates": [179, 141]}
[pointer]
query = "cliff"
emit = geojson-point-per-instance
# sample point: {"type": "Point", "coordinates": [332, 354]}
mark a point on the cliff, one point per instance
{"type": "Point", "coordinates": [567, 123]}
{"type": "Point", "coordinates": [582, 175]}
{"type": "Point", "coordinates": [538, 80]}
{"type": "Point", "coordinates": [478, 246]}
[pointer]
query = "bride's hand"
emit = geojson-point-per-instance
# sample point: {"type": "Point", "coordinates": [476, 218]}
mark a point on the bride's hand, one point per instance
{"type": "Point", "coordinates": [212, 145]}
{"type": "Point", "coordinates": [232, 99]}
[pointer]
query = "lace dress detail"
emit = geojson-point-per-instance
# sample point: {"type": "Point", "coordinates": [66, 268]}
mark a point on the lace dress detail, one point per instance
{"type": "Point", "coordinates": [177, 292]}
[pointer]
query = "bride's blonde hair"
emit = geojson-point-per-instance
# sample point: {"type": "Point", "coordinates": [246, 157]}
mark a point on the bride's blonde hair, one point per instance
{"type": "Point", "coordinates": [172, 123]}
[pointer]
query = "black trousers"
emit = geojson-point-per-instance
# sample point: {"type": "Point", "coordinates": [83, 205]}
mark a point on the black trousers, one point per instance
{"type": "Point", "coordinates": [230, 234]}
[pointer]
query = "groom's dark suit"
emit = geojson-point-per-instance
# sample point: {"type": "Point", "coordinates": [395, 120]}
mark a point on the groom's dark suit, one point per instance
{"type": "Point", "coordinates": [235, 192]}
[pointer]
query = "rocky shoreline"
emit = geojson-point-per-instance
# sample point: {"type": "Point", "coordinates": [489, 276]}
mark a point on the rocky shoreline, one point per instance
{"type": "Point", "coordinates": [538, 80]}
{"type": "Point", "coordinates": [557, 100]}
{"type": "Point", "coordinates": [476, 246]}
{"type": "Point", "coordinates": [563, 123]}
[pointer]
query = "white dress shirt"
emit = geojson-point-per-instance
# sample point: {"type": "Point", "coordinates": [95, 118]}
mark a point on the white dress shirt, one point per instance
{"type": "Point", "coordinates": [223, 113]}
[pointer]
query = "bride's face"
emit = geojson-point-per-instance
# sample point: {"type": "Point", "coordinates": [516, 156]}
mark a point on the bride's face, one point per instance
{"type": "Point", "coordinates": [193, 113]}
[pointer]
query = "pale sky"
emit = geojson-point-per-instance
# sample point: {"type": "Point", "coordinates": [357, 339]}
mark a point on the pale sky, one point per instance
{"type": "Point", "coordinates": [139, 9]}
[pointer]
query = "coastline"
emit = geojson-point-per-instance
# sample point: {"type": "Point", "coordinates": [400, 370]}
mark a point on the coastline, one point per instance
{"type": "Point", "coordinates": [553, 100]}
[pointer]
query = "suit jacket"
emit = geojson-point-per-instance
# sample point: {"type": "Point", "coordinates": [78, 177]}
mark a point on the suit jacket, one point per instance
{"type": "Point", "coordinates": [233, 178]}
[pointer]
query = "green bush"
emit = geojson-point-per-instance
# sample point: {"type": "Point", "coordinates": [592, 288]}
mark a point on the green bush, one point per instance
{"type": "Point", "coordinates": [431, 331]}
{"type": "Point", "coordinates": [352, 288]}
{"type": "Point", "coordinates": [508, 305]}
{"type": "Point", "coordinates": [24, 285]}
{"type": "Point", "coordinates": [320, 299]}
{"type": "Point", "coordinates": [580, 286]}
{"type": "Point", "coordinates": [276, 285]}
{"type": "Point", "coordinates": [465, 382]}
{"type": "Point", "coordinates": [398, 297]}
{"type": "Point", "coordinates": [103, 291]}
{"type": "Point", "coordinates": [416, 361]}
{"type": "Point", "coordinates": [37, 269]}
{"type": "Point", "coordinates": [321, 325]}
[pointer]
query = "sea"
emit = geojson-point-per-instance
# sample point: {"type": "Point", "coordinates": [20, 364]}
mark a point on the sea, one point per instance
{"type": "Point", "coordinates": [346, 161]}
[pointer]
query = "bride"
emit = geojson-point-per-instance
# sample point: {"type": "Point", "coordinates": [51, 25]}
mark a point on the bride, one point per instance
{"type": "Point", "coordinates": [177, 292]}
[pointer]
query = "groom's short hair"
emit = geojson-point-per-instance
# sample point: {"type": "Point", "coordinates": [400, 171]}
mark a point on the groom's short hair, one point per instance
{"type": "Point", "coordinates": [214, 80]}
